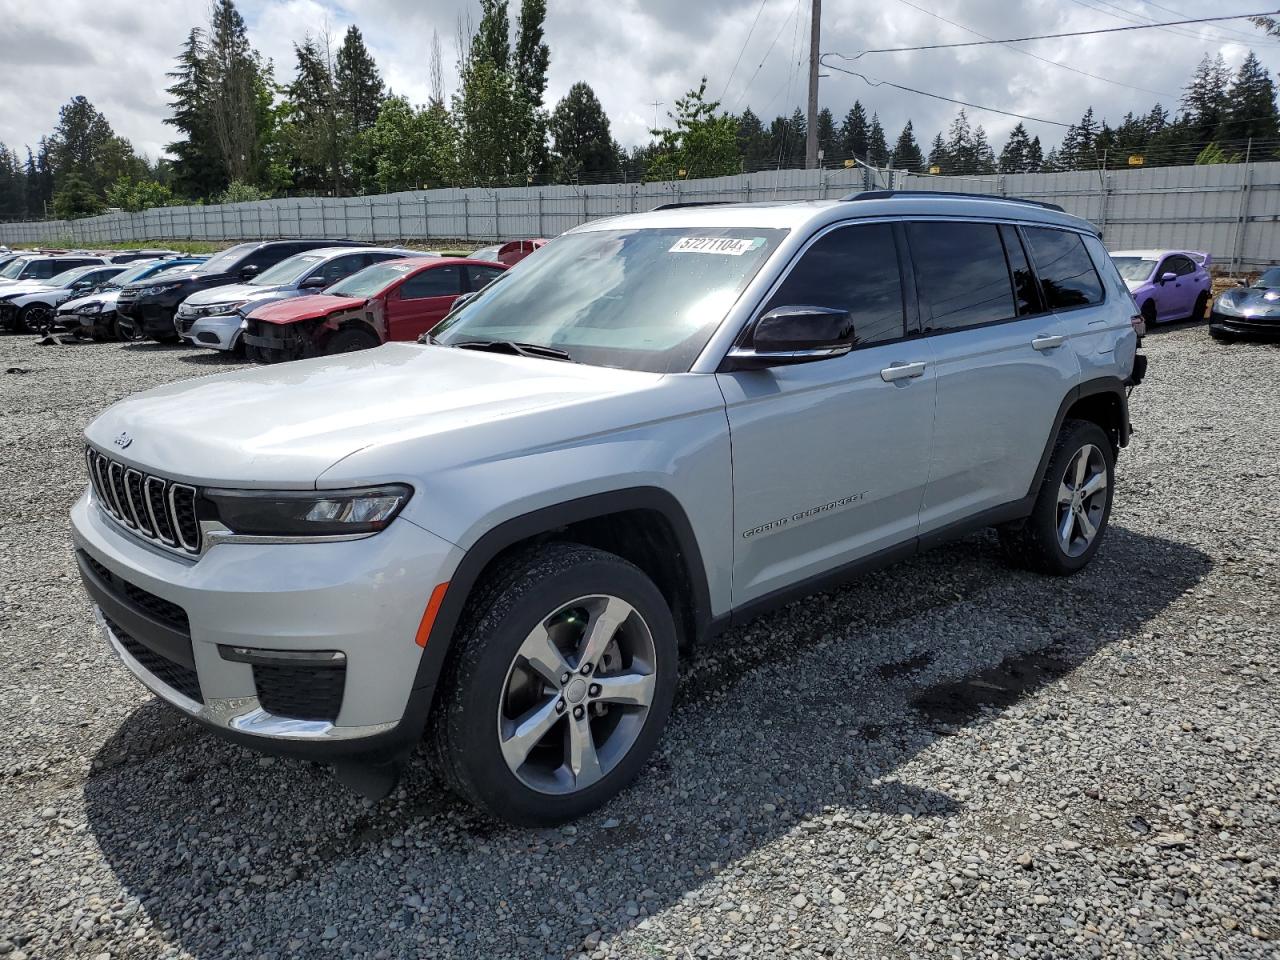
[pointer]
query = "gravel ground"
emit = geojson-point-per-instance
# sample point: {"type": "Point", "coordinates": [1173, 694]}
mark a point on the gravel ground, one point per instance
{"type": "Point", "coordinates": [946, 759]}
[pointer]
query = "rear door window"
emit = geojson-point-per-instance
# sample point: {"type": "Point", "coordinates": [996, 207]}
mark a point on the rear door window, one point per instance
{"type": "Point", "coordinates": [1067, 275]}
{"type": "Point", "coordinates": [962, 276]}
{"type": "Point", "coordinates": [437, 282]}
{"type": "Point", "coordinates": [851, 268]}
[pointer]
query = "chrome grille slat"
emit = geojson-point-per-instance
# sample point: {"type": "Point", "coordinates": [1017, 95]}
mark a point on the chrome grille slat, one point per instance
{"type": "Point", "coordinates": [157, 509]}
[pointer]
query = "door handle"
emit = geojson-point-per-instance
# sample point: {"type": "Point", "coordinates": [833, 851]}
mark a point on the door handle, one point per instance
{"type": "Point", "coordinates": [902, 371]}
{"type": "Point", "coordinates": [1048, 343]}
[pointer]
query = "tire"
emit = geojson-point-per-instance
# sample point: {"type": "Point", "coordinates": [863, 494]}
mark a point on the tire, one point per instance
{"type": "Point", "coordinates": [125, 330]}
{"type": "Point", "coordinates": [1036, 542]}
{"type": "Point", "coordinates": [490, 682]}
{"type": "Point", "coordinates": [1148, 312]}
{"type": "Point", "coordinates": [350, 340]}
{"type": "Point", "coordinates": [33, 318]}
{"type": "Point", "coordinates": [1197, 312]}
{"type": "Point", "coordinates": [1222, 336]}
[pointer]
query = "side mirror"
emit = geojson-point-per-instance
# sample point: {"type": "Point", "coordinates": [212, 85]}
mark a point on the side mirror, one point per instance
{"type": "Point", "coordinates": [461, 302]}
{"type": "Point", "coordinates": [313, 283]}
{"type": "Point", "coordinates": [247, 272]}
{"type": "Point", "coordinates": [796, 334]}
{"type": "Point", "coordinates": [1168, 277]}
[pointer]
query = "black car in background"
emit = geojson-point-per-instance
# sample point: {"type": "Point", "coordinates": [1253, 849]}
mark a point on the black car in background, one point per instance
{"type": "Point", "coordinates": [1252, 311]}
{"type": "Point", "coordinates": [147, 308]}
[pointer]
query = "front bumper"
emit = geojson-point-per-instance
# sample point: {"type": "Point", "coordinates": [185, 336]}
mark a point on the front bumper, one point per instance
{"type": "Point", "coordinates": [189, 631]}
{"type": "Point", "coordinates": [218, 332]}
{"type": "Point", "coordinates": [153, 318]}
{"type": "Point", "coordinates": [1245, 326]}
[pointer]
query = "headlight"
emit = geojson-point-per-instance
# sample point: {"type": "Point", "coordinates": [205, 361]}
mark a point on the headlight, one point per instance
{"type": "Point", "coordinates": [308, 513]}
{"type": "Point", "coordinates": [159, 289]}
{"type": "Point", "coordinates": [89, 307]}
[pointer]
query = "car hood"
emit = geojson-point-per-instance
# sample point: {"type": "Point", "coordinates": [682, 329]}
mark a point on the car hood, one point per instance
{"type": "Point", "coordinates": [284, 425]}
{"type": "Point", "coordinates": [231, 293]}
{"type": "Point", "coordinates": [304, 308]}
{"type": "Point", "coordinates": [16, 288]}
{"type": "Point", "coordinates": [1249, 302]}
{"type": "Point", "coordinates": [107, 298]}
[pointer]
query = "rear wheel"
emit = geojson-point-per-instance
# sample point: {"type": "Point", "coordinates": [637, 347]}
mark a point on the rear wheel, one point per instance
{"type": "Point", "coordinates": [1148, 312]}
{"type": "Point", "coordinates": [559, 687]}
{"type": "Point", "coordinates": [1071, 511]}
{"type": "Point", "coordinates": [350, 340]}
{"type": "Point", "coordinates": [1197, 312]}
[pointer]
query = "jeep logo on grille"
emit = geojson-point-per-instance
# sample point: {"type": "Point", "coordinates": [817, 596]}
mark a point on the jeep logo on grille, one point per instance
{"type": "Point", "coordinates": [123, 440]}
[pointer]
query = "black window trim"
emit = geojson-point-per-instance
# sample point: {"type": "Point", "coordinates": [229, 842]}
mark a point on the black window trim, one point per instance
{"type": "Point", "coordinates": [1026, 245]}
{"type": "Point", "coordinates": [907, 293]}
{"type": "Point", "coordinates": [1008, 270]}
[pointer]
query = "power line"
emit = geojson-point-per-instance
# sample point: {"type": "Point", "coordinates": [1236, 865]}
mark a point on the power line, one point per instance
{"type": "Point", "coordinates": [1035, 56]}
{"type": "Point", "coordinates": [1227, 30]}
{"type": "Point", "coordinates": [768, 51]}
{"type": "Point", "coordinates": [1054, 36]}
{"type": "Point", "coordinates": [759, 10]}
{"type": "Point", "coordinates": [872, 81]}
{"type": "Point", "coordinates": [1127, 17]}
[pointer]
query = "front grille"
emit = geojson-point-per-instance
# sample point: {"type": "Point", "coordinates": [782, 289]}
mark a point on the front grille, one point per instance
{"type": "Point", "coordinates": [155, 508]}
{"type": "Point", "coordinates": [160, 609]}
{"type": "Point", "coordinates": [171, 674]}
{"type": "Point", "coordinates": [310, 692]}
{"type": "Point", "coordinates": [185, 324]}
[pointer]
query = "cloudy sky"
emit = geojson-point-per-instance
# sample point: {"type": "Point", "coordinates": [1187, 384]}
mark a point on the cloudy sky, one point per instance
{"type": "Point", "coordinates": [634, 52]}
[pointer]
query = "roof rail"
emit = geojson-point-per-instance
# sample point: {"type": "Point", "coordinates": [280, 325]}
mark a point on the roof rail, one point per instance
{"type": "Point", "coordinates": [886, 194]}
{"type": "Point", "coordinates": [696, 203]}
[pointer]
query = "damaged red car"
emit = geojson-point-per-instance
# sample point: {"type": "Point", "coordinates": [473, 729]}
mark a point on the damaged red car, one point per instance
{"type": "Point", "coordinates": [392, 300]}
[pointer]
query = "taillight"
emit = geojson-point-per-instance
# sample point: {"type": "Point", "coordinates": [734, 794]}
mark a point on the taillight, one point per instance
{"type": "Point", "coordinates": [1139, 324]}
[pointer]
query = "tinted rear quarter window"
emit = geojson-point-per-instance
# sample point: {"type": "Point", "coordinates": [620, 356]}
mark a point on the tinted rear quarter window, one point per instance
{"type": "Point", "coordinates": [852, 268]}
{"type": "Point", "coordinates": [1067, 275]}
{"type": "Point", "coordinates": [961, 274]}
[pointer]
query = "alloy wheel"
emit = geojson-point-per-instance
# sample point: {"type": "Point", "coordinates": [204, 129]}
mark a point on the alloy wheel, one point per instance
{"type": "Point", "coordinates": [577, 694]}
{"type": "Point", "coordinates": [1082, 500]}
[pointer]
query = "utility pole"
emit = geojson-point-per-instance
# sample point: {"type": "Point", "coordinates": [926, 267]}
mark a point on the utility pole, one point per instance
{"type": "Point", "coordinates": [811, 138]}
{"type": "Point", "coordinates": [656, 105]}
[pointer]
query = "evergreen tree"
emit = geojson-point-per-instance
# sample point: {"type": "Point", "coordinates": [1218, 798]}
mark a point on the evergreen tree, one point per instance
{"type": "Point", "coordinates": [197, 172]}
{"type": "Point", "coordinates": [779, 137]}
{"type": "Point", "coordinates": [532, 57]}
{"type": "Point", "coordinates": [854, 132]}
{"type": "Point", "coordinates": [753, 144]}
{"type": "Point", "coordinates": [239, 102]}
{"type": "Point", "coordinates": [1035, 155]}
{"type": "Point", "coordinates": [877, 149]}
{"type": "Point", "coordinates": [906, 152]}
{"type": "Point", "coordinates": [793, 144]}
{"type": "Point", "coordinates": [1015, 157]}
{"type": "Point", "coordinates": [938, 155]}
{"type": "Point", "coordinates": [1204, 103]}
{"type": "Point", "coordinates": [359, 92]}
{"type": "Point", "coordinates": [311, 132]}
{"type": "Point", "coordinates": [1079, 147]}
{"type": "Point", "coordinates": [580, 131]}
{"type": "Point", "coordinates": [1251, 105]}
{"type": "Point", "coordinates": [826, 134]}
{"type": "Point", "coordinates": [13, 186]}
{"type": "Point", "coordinates": [75, 197]}
{"type": "Point", "coordinates": [962, 152]}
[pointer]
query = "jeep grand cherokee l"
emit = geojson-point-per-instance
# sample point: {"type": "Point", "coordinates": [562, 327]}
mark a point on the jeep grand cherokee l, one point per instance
{"type": "Point", "coordinates": [148, 309]}
{"type": "Point", "coordinates": [660, 425]}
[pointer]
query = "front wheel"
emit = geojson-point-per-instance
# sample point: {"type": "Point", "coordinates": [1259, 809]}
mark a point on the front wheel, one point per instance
{"type": "Point", "coordinates": [560, 685]}
{"type": "Point", "coordinates": [34, 318]}
{"type": "Point", "coordinates": [1197, 312]}
{"type": "Point", "coordinates": [1071, 511]}
{"type": "Point", "coordinates": [350, 340]}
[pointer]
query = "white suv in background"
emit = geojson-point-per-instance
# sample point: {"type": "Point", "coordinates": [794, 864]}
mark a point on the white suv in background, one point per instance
{"type": "Point", "coordinates": [659, 426]}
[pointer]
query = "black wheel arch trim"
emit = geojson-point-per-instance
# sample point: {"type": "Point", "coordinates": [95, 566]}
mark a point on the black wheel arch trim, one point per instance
{"type": "Point", "coordinates": [1089, 388]}
{"type": "Point", "coordinates": [528, 525]}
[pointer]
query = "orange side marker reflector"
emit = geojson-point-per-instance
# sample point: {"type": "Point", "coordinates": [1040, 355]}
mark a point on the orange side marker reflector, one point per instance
{"type": "Point", "coordinates": [429, 615]}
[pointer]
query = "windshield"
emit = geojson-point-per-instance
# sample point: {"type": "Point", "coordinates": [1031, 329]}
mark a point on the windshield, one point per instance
{"type": "Point", "coordinates": [1134, 268]}
{"type": "Point", "coordinates": [287, 271]}
{"type": "Point", "coordinates": [68, 277]}
{"type": "Point", "coordinates": [644, 299]}
{"type": "Point", "coordinates": [224, 261]}
{"type": "Point", "coordinates": [1270, 279]}
{"type": "Point", "coordinates": [11, 271]}
{"type": "Point", "coordinates": [371, 280]}
{"type": "Point", "coordinates": [136, 272]}
{"type": "Point", "coordinates": [639, 300]}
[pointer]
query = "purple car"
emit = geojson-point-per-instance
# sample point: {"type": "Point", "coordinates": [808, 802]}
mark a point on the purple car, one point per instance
{"type": "Point", "coordinates": [1166, 284]}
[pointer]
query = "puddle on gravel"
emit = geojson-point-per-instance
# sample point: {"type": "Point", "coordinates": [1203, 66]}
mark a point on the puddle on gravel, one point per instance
{"type": "Point", "coordinates": [958, 702]}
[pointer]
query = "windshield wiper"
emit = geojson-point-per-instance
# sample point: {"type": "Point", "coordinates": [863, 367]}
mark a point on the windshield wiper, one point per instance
{"type": "Point", "coordinates": [519, 349]}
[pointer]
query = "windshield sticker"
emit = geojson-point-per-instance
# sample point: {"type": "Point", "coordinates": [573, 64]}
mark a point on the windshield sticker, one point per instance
{"type": "Point", "coordinates": [727, 246]}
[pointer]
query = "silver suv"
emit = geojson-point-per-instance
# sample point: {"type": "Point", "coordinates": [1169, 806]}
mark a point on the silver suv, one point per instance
{"type": "Point", "coordinates": [659, 426]}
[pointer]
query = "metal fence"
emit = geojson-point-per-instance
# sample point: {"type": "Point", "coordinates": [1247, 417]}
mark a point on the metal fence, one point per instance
{"type": "Point", "coordinates": [1230, 210]}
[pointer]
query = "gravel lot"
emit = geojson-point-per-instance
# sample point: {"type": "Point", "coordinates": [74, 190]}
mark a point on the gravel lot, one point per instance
{"type": "Point", "coordinates": [946, 759]}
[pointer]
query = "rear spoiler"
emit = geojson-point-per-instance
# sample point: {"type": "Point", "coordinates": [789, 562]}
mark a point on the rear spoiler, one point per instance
{"type": "Point", "coordinates": [1203, 259]}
